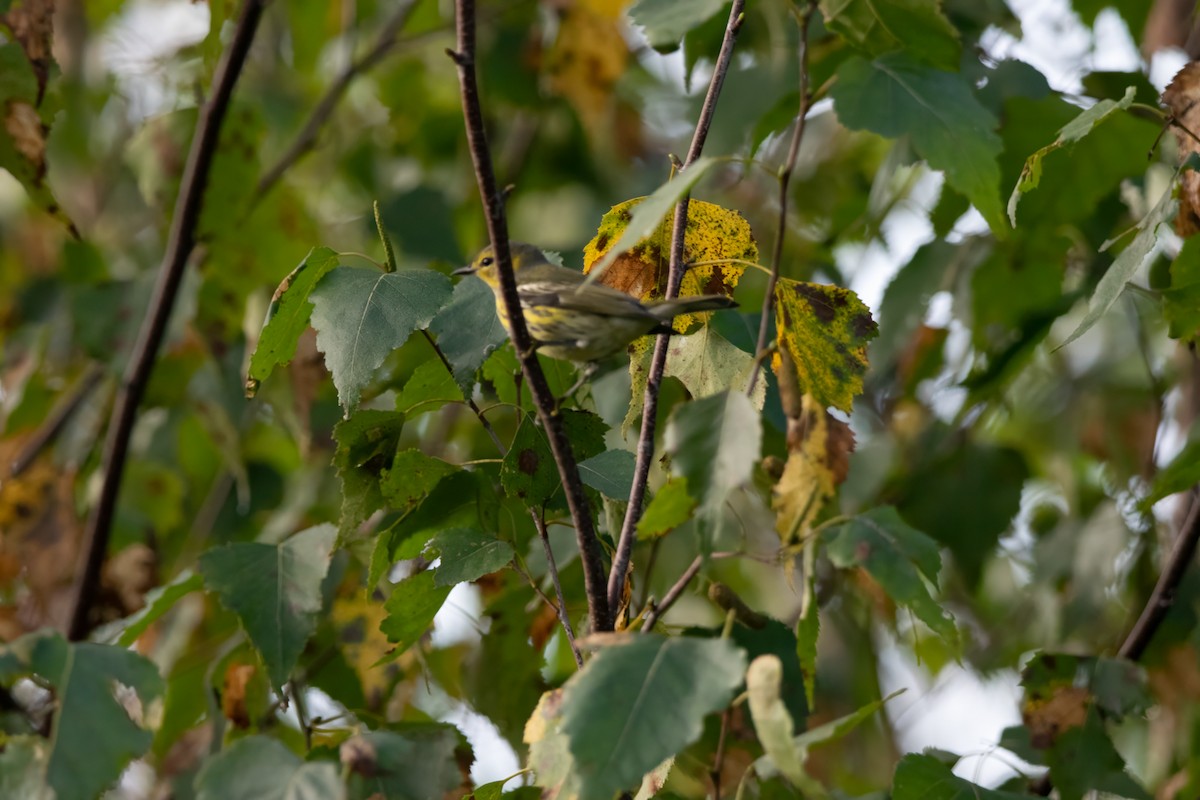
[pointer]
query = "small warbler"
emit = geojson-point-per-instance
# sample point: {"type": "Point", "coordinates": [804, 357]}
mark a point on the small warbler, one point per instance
{"type": "Point", "coordinates": [575, 322]}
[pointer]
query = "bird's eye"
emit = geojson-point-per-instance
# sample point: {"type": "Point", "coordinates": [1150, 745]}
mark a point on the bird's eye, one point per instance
{"type": "Point", "coordinates": [486, 261]}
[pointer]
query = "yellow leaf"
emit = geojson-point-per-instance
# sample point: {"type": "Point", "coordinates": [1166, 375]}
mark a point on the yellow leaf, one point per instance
{"type": "Point", "coordinates": [587, 59]}
{"type": "Point", "coordinates": [362, 616]}
{"type": "Point", "coordinates": [825, 329]}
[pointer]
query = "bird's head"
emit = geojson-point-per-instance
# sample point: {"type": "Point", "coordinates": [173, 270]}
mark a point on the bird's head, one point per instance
{"type": "Point", "coordinates": [484, 264]}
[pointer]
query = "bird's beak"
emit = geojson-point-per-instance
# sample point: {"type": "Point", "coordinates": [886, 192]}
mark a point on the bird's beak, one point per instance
{"type": "Point", "coordinates": [469, 269]}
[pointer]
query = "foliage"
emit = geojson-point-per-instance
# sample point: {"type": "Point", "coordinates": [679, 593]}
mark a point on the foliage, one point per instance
{"type": "Point", "coordinates": [342, 545]}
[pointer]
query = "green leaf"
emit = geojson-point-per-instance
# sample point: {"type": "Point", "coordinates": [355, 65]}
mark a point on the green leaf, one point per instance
{"type": "Point", "coordinates": [414, 761]}
{"type": "Point", "coordinates": [1073, 131]}
{"type": "Point", "coordinates": [635, 704]}
{"type": "Point", "coordinates": [825, 330]}
{"type": "Point", "coordinates": [461, 499]}
{"type": "Point", "coordinates": [287, 317]}
{"type": "Point", "coordinates": [361, 315]}
{"type": "Point", "coordinates": [23, 763]}
{"type": "Point", "coordinates": [1127, 263]}
{"type": "Point", "coordinates": [610, 473]}
{"type": "Point", "coordinates": [966, 499]}
{"type": "Point", "coordinates": [707, 364]}
{"type": "Point", "coordinates": [262, 768]}
{"type": "Point", "coordinates": [468, 329]}
{"type": "Point", "coordinates": [1182, 473]}
{"type": "Point", "coordinates": [649, 212]}
{"type": "Point", "coordinates": [1181, 301]}
{"type": "Point", "coordinates": [275, 590]}
{"type": "Point", "coordinates": [881, 26]}
{"type": "Point", "coordinates": [529, 470]}
{"type": "Point", "coordinates": [714, 443]}
{"type": "Point", "coordinates": [900, 558]}
{"type": "Point", "coordinates": [430, 387]}
{"type": "Point", "coordinates": [896, 96]}
{"type": "Point", "coordinates": [92, 737]}
{"type": "Point", "coordinates": [159, 601]}
{"type": "Point", "coordinates": [468, 554]}
{"type": "Point", "coordinates": [670, 507]}
{"type": "Point", "coordinates": [506, 649]}
{"type": "Point", "coordinates": [667, 21]}
{"type": "Point", "coordinates": [411, 607]}
{"type": "Point", "coordinates": [925, 777]}
{"type": "Point", "coordinates": [1083, 760]}
{"type": "Point", "coordinates": [366, 450]}
{"type": "Point", "coordinates": [410, 479]}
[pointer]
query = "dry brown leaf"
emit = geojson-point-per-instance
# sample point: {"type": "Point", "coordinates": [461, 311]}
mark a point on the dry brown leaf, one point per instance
{"type": "Point", "coordinates": [1047, 718]}
{"type": "Point", "coordinates": [233, 694]}
{"type": "Point", "coordinates": [1180, 98]}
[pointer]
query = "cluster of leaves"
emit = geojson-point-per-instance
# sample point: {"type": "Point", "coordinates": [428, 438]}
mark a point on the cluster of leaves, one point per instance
{"type": "Point", "coordinates": [314, 505]}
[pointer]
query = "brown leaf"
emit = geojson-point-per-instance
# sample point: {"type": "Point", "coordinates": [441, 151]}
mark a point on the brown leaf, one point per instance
{"type": "Point", "coordinates": [233, 695]}
{"type": "Point", "coordinates": [1049, 717]}
{"type": "Point", "coordinates": [125, 579]}
{"type": "Point", "coordinates": [24, 126]}
{"type": "Point", "coordinates": [542, 627]}
{"type": "Point", "coordinates": [1180, 98]}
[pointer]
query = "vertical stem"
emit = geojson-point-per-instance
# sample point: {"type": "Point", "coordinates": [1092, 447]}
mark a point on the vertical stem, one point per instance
{"type": "Point", "coordinates": [493, 205]}
{"type": "Point", "coordinates": [785, 177]}
{"type": "Point", "coordinates": [645, 447]}
{"type": "Point", "coordinates": [180, 243]}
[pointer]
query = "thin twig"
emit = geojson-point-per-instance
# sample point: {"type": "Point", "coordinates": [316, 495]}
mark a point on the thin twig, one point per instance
{"type": "Point", "coordinates": [57, 420]}
{"type": "Point", "coordinates": [307, 138]}
{"type": "Point", "coordinates": [487, 426]}
{"type": "Point", "coordinates": [645, 447]}
{"type": "Point", "coordinates": [719, 756]}
{"type": "Point", "coordinates": [497, 226]}
{"type": "Point", "coordinates": [1163, 595]}
{"type": "Point", "coordinates": [552, 567]}
{"type": "Point", "coordinates": [672, 594]}
{"type": "Point", "coordinates": [180, 243]}
{"type": "Point", "coordinates": [785, 178]}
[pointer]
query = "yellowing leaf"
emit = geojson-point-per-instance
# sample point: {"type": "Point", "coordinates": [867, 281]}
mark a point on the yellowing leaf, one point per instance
{"type": "Point", "coordinates": [713, 234]}
{"type": "Point", "coordinates": [587, 59]}
{"type": "Point", "coordinates": [825, 329]}
{"type": "Point", "coordinates": [359, 618]}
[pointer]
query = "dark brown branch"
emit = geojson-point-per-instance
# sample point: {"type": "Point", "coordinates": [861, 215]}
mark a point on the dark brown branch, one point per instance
{"type": "Point", "coordinates": [497, 225]}
{"type": "Point", "coordinates": [672, 594]}
{"type": "Point", "coordinates": [538, 521]}
{"type": "Point", "coordinates": [57, 420]}
{"type": "Point", "coordinates": [658, 363]}
{"type": "Point", "coordinates": [307, 138]}
{"type": "Point", "coordinates": [1163, 596]}
{"type": "Point", "coordinates": [180, 243]}
{"type": "Point", "coordinates": [785, 178]}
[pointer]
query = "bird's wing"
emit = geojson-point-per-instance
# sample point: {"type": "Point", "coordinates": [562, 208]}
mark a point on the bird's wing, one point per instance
{"type": "Point", "coordinates": [594, 299]}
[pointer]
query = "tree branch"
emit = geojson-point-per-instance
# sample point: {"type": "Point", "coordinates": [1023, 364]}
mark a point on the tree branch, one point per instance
{"type": "Point", "coordinates": [645, 447]}
{"type": "Point", "coordinates": [180, 243]}
{"type": "Point", "coordinates": [307, 138]}
{"type": "Point", "coordinates": [672, 594]}
{"type": "Point", "coordinates": [1163, 595]}
{"type": "Point", "coordinates": [547, 411]}
{"type": "Point", "coordinates": [785, 177]}
{"type": "Point", "coordinates": [58, 419]}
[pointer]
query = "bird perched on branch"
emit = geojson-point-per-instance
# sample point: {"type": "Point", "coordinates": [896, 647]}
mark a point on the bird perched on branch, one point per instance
{"type": "Point", "coordinates": [570, 320]}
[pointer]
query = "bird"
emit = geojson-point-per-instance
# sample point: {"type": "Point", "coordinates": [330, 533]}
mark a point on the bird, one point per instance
{"type": "Point", "coordinates": [570, 320]}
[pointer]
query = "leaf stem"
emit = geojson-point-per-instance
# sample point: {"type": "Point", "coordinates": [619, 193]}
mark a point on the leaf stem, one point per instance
{"type": "Point", "coordinates": [645, 447]}
{"type": "Point", "coordinates": [181, 242]}
{"type": "Point", "coordinates": [390, 262]}
{"type": "Point", "coordinates": [785, 177]}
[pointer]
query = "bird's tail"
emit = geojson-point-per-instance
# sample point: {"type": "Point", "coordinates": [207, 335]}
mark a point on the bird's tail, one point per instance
{"type": "Point", "coordinates": [666, 310]}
